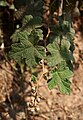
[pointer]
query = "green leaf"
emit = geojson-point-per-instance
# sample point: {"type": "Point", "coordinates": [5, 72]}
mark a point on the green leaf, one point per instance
{"type": "Point", "coordinates": [12, 7]}
{"type": "Point", "coordinates": [32, 22]}
{"type": "Point", "coordinates": [59, 51]}
{"type": "Point", "coordinates": [60, 78]}
{"type": "Point", "coordinates": [26, 51]}
{"type": "Point", "coordinates": [55, 56]}
{"type": "Point", "coordinates": [3, 3]}
{"type": "Point", "coordinates": [33, 78]}
{"type": "Point", "coordinates": [26, 19]}
{"type": "Point", "coordinates": [29, 24]}
{"type": "Point", "coordinates": [18, 35]}
{"type": "Point", "coordinates": [61, 66]}
{"type": "Point", "coordinates": [36, 22]}
{"type": "Point", "coordinates": [70, 35]}
{"type": "Point", "coordinates": [63, 29]}
{"type": "Point", "coordinates": [65, 50]}
{"type": "Point", "coordinates": [35, 36]}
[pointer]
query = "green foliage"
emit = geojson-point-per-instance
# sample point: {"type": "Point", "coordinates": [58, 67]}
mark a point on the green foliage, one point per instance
{"type": "Point", "coordinates": [62, 30]}
{"type": "Point", "coordinates": [60, 77]}
{"type": "Point", "coordinates": [55, 56]}
{"type": "Point", "coordinates": [28, 50]}
{"type": "Point", "coordinates": [58, 52]}
{"type": "Point", "coordinates": [33, 78]}
{"type": "Point", "coordinates": [30, 25]}
{"type": "Point", "coordinates": [25, 48]}
{"type": "Point", "coordinates": [3, 3]}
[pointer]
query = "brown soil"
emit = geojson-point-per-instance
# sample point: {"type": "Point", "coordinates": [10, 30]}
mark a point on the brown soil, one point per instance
{"type": "Point", "coordinates": [49, 105]}
{"type": "Point", "coordinates": [16, 95]}
{"type": "Point", "coordinates": [55, 106]}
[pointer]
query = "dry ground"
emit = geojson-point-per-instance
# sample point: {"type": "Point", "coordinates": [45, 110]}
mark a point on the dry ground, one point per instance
{"type": "Point", "coordinates": [56, 106]}
{"type": "Point", "coordinates": [47, 105]}
{"type": "Point", "coordinates": [50, 105]}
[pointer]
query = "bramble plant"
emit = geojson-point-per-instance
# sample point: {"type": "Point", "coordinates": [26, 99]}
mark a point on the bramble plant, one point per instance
{"type": "Point", "coordinates": [29, 47]}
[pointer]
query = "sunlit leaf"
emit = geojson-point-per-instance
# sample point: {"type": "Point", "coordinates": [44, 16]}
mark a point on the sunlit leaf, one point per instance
{"type": "Point", "coordinates": [60, 78]}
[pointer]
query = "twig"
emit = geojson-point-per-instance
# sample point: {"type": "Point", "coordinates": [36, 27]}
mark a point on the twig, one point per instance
{"type": "Point", "coordinates": [68, 2]}
{"type": "Point", "coordinates": [41, 74]}
{"type": "Point", "coordinates": [44, 116]}
{"type": "Point", "coordinates": [60, 8]}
